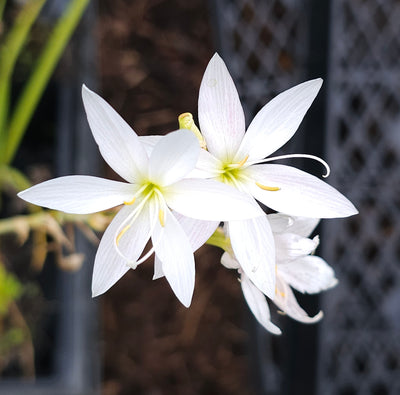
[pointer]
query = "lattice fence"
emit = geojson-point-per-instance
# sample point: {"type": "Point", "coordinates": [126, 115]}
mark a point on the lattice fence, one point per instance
{"type": "Point", "coordinates": [266, 46]}
{"type": "Point", "coordinates": [360, 336]}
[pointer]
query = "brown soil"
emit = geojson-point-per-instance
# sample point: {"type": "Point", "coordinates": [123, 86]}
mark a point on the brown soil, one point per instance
{"type": "Point", "coordinates": [152, 57]}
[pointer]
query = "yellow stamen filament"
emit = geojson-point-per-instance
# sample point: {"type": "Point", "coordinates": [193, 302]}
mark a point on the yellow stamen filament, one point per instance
{"type": "Point", "coordinates": [267, 188]}
{"type": "Point", "coordinates": [242, 162]}
{"type": "Point", "coordinates": [186, 122]}
{"type": "Point", "coordinates": [161, 217]}
{"type": "Point", "coordinates": [130, 202]}
{"type": "Point", "coordinates": [122, 233]}
{"type": "Point", "coordinates": [280, 293]}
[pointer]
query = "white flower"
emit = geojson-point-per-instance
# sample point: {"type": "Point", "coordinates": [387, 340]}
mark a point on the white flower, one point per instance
{"type": "Point", "coordinates": [237, 158]}
{"type": "Point", "coordinates": [295, 267]}
{"type": "Point", "coordinates": [156, 185]}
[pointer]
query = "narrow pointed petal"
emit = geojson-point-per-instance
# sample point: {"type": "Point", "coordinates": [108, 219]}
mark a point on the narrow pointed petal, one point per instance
{"type": "Point", "coordinates": [79, 194]}
{"type": "Point", "coordinates": [290, 246]}
{"type": "Point", "coordinates": [173, 249]}
{"type": "Point", "coordinates": [302, 226]}
{"type": "Point", "coordinates": [309, 274]}
{"type": "Point", "coordinates": [221, 115]}
{"type": "Point", "coordinates": [258, 305]}
{"type": "Point", "coordinates": [109, 266]}
{"type": "Point", "coordinates": [286, 301]}
{"type": "Point", "coordinates": [300, 194]}
{"type": "Point", "coordinates": [118, 143]}
{"type": "Point", "coordinates": [210, 200]}
{"type": "Point", "coordinates": [278, 121]}
{"type": "Point", "coordinates": [197, 231]}
{"type": "Point", "coordinates": [158, 271]}
{"type": "Point", "coordinates": [173, 157]}
{"type": "Point", "coordinates": [253, 245]}
{"type": "Point", "coordinates": [229, 261]}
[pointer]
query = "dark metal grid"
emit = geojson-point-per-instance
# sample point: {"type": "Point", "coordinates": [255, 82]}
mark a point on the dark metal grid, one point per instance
{"type": "Point", "coordinates": [359, 349]}
{"type": "Point", "coordinates": [264, 44]}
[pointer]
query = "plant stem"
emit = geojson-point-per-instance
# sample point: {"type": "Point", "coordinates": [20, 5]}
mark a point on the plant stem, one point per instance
{"type": "Point", "coordinates": [219, 239]}
{"type": "Point", "coordinates": [10, 176]}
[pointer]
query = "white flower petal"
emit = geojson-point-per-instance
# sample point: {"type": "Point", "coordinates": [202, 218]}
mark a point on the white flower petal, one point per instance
{"type": "Point", "coordinates": [207, 166]}
{"type": "Point", "coordinates": [118, 143]}
{"type": "Point", "coordinates": [286, 301]}
{"type": "Point", "coordinates": [210, 200]}
{"type": "Point", "coordinates": [309, 274]}
{"type": "Point", "coordinates": [79, 194]}
{"type": "Point", "coordinates": [221, 115]}
{"type": "Point", "coordinates": [277, 121]}
{"type": "Point", "coordinates": [229, 261]}
{"type": "Point", "coordinates": [300, 194]}
{"type": "Point", "coordinates": [158, 271]}
{"type": "Point", "coordinates": [173, 249]}
{"type": "Point", "coordinates": [280, 222]}
{"type": "Point", "coordinates": [258, 305]}
{"type": "Point", "coordinates": [301, 226]}
{"type": "Point", "coordinates": [149, 142]}
{"type": "Point", "coordinates": [253, 245]}
{"type": "Point", "coordinates": [197, 231]}
{"type": "Point", "coordinates": [290, 246]}
{"type": "Point", "coordinates": [173, 157]}
{"type": "Point", "coordinates": [109, 266]}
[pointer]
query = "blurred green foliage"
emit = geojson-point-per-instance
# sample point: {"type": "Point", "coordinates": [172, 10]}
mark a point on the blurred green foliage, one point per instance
{"type": "Point", "coordinates": [10, 289]}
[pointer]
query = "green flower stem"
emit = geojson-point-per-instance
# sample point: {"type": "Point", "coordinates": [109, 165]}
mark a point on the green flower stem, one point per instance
{"type": "Point", "coordinates": [12, 177]}
{"type": "Point", "coordinates": [11, 48]}
{"type": "Point", "coordinates": [219, 239]}
{"type": "Point", "coordinates": [21, 224]}
{"type": "Point", "coordinates": [41, 74]}
{"type": "Point", "coordinates": [2, 5]}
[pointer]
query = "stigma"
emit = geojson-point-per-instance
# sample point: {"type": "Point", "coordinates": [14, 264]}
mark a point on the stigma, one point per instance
{"type": "Point", "coordinates": [186, 122]}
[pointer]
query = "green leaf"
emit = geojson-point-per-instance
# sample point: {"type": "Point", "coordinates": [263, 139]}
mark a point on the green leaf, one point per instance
{"type": "Point", "coordinates": [9, 51]}
{"type": "Point", "coordinates": [40, 76]}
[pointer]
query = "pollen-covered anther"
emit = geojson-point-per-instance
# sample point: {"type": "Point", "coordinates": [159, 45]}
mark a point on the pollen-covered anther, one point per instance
{"type": "Point", "coordinates": [120, 234]}
{"type": "Point", "coordinates": [267, 188]}
{"type": "Point", "coordinates": [130, 202]}
{"type": "Point", "coordinates": [161, 217]}
{"type": "Point", "coordinates": [243, 161]}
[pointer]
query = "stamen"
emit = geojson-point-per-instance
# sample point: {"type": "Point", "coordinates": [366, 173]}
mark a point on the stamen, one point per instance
{"type": "Point", "coordinates": [131, 201]}
{"type": "Point", "coordinates": [127, 223]}
{"type": "Point", "coordinates": [267, 188]}
{"type": "Point", "coordinates": [161, 217]}
{"type": "Point", "coordinates": [242, 162]}
{"type": "Point", "coordinates": [120, 234]}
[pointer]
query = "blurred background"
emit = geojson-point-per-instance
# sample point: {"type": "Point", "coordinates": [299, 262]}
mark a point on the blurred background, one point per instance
{"type": "Point", "coordinates": [147, 58]}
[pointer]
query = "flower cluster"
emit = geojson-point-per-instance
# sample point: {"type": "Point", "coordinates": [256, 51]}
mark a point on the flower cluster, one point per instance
{"type": "Point", "coordinates": [180, 187]}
